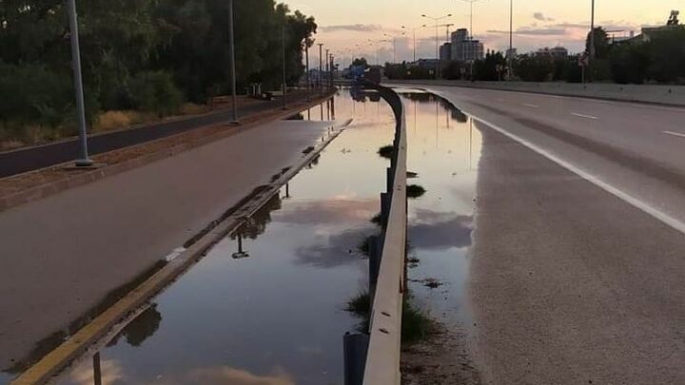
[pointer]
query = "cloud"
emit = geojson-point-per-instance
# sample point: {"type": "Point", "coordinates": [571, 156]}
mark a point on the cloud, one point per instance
{"type": "Point", "coordinates": [529, 31]}
{"type": "Point", "coordinates": [541, 17]}
{"type": "Point", "coordinates": [334, 211]}
{"type": "Point", "coordinates": [438, 231]}
{"type": "Point", "coordinates": [351, 27]}
{"type": "Point", "coordinates": [228, 375]}
{"type": "Point", "coordinates": [112, 373]}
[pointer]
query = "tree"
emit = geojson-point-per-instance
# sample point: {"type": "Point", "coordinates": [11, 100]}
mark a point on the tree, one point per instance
{"type": "Point", "coordinates": [666, 50]}
{"type": "Point", "coordinates": [361, 62]}
{"type": "Point", "coordinates": [534, 68]}
{"type": "Point", "coordinates": [630, 63]}
{"type": "Point", "coordinates": [491, 68]}
{"type": "Point", "coordinates": [602, 44]}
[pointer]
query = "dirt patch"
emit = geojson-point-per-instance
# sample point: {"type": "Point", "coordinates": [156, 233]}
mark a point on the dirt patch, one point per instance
{"type": "Point", "coordinates": [442, 357]}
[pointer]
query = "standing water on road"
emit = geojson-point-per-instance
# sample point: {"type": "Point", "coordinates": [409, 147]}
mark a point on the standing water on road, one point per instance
{"type": "Point", "coordinates": [444, 149]}
{"type": "Point", "coordinates": [266, 305]}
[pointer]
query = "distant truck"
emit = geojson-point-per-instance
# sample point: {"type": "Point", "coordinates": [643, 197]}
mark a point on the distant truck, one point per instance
{"type": "Point", "coordinates": [357, 73]}
{"type": "Point", "coordinates": [373, 75]}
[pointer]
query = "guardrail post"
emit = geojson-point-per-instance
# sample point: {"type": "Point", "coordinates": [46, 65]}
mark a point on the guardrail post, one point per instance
{"type": "Point", "coordinates": [390, 176]}
{"type": "Point", "coordinates": [375, 253]}
{"type": "Point", "coordinates": [355, 348]}
{"type": "Point", "coordinates": [385, 207]}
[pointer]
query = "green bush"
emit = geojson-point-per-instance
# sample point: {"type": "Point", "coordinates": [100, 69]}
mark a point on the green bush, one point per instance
{"type": "Point", "coordinates": [155, 92]}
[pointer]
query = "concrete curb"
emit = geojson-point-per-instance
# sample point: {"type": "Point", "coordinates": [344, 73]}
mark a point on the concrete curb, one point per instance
{"type": "Point", "coordinates": [69, 182]}
{"type": "Point", "coordinates": [78, 345]}
{"type": "Point", "coordinates": [654, 95]}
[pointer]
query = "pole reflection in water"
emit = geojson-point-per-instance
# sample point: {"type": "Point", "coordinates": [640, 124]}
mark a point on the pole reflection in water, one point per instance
{"type": "Point", "coordinates": [97, 371]}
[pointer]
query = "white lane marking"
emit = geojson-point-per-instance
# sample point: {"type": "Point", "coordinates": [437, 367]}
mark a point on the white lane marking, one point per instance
{"type": "Point", "coordinates": [674, 134]}
{"type": "Point", "coordinates": [584, 116]}
{"type": "Point", "coordinates": [531, 105]}
{"type": "Point", "coordinates": [635, 202]}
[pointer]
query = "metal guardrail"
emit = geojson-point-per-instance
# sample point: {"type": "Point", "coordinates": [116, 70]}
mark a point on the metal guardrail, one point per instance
{"type": "Point", "coordinates": [374, 358]}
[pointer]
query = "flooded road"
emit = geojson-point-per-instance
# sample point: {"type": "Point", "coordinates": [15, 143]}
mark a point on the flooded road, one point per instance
{"type": "Point", "coordinates": [266, 305]}
{"type": "Point", "coordinates": [444, 151]}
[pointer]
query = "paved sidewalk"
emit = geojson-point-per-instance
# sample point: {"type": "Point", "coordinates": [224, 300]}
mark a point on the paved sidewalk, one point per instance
{"type": "Point", "coordinates": [61, 255]}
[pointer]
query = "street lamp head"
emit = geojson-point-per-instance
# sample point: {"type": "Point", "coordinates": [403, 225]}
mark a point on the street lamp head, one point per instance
{"type": "Point", "coordinates": [449, 15]}
{"type": "Point", "coordinates": [424, 16]}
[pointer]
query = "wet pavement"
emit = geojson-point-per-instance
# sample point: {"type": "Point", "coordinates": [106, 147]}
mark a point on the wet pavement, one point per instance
{"type": "Point", "coordinates": [266, 305]}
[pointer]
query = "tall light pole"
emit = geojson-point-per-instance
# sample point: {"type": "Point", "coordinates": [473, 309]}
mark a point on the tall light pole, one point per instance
{"type": "Point", "coordinates": [413, 31]}
{"type": "Point", "coordinates": [285, 84]}
{"type": "Point", "coordinates": [471, 15]}
{"type": "Point", "coordinates": [511, 39]}
{"type": "Point", "coordinates": [378, 50]}
{"type": "Point", "coordinates": [307, 43]}
{"type": "Point", "coordinates": [592, 42]}
{"type": "Point", "coordinates": [437, 48]}
{"type": "Point", "coordinates": [84, 160]}
{"type": "Point", "coordinates": [320, 63]}
{"type": "Point", "coordinates": [231, 49]}
{"type": "Point", "coordinates": [394, 46]}
{"type": "Point", "coordinates": [327, 66]}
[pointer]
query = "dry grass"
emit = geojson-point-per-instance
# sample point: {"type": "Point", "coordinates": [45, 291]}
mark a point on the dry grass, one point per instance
{"type": "Point", "coordinates": [193, 109]}
{"type": "Point", "coordinates": [114, 120]}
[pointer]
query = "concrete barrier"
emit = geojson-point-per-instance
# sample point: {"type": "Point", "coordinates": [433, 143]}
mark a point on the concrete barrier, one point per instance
{"type": "Point", "coordinates": [653, 94]}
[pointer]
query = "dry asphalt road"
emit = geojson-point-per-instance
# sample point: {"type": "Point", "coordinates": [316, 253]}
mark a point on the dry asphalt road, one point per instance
{"type": "Point", "coordinates": [579, 260]}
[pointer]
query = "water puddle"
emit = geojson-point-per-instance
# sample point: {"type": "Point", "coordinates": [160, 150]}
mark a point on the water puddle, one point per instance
{"type": "Point", "coordinates": [444, 149]}
{"type": "Point", "coordinates": [266, 305]}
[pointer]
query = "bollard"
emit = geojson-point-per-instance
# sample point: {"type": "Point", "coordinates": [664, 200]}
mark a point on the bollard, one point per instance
{"type": "Point", "coordinates": [355, 347]}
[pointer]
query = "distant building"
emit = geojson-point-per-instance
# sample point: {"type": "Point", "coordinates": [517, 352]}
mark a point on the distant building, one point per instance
{"type": "Point", "coordinates": [465, 48]}
{"type": "Point", "coordinates": [556, 52]}
{"type": "Point", "coordinates": [446, 52]}
{"type": "Point", "coordinates": [649, 32]}
{"type": "Point", "coordinates": [428, 64]}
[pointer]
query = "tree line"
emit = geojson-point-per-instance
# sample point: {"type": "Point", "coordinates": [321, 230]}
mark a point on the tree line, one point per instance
{"type": "Point", "coordinates": [658, 58]}
{"type": "Point", "coordinates": [142, 55]}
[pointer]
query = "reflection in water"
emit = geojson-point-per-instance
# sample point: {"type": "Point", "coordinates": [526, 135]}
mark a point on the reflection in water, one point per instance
{"type": "Point", "coordinates": [274, 318]}
{"type": "Point", "coordinates": [141, 328]}
{"type": "Point", "coordinates": [256, 224]}
{"type": "Point", "coordinates": [440, 230]}
{"type": "Point", "coordinates": [444, 150]}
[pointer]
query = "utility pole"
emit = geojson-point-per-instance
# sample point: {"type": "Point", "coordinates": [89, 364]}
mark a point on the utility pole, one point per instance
{"type": "Point", "coordinates": [320, 64]}
{"type": "Point", "coordinates": [327, 64]}
{"type": "Point", "coordinates": [511, 39]}
{"type": "Point", "coordinates": [437, 38]}
{"type": "Point", "coordinates": [84, 161]}
{"type": "Point", "coordinates": [413, 30]}
{"type": "Point", "coordinates": [285, 85]}
{"type": "Point", "coordinates": [332, 69]}
{"type": "Point", "coordinates": [232, 65]}
{"type": "Point", "coordinates": [309, 83]}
